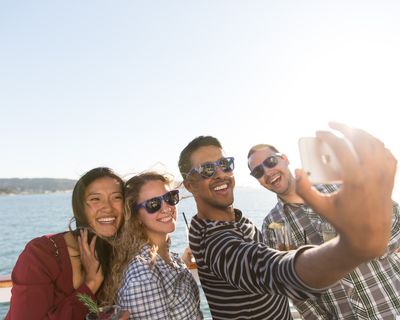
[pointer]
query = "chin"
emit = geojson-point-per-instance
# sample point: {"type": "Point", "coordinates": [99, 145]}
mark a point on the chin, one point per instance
{"type": "Point", "coordinates": [224, 205]}
{"type": "Point", "coordinates": [107, 233]}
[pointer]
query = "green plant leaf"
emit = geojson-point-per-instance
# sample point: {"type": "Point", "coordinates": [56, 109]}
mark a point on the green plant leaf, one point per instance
{"type": "Point", "coordinates": [88, 302]}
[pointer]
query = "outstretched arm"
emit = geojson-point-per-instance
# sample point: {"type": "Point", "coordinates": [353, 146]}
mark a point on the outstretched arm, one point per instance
{"type": "Point", "coordinates": [361, 211]}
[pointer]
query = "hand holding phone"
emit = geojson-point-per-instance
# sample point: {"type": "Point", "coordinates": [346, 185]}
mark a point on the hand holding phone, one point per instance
{"type": "Point", "coordinates": [319, 161]}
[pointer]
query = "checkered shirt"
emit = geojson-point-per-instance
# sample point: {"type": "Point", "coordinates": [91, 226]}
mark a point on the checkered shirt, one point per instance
{"type": "Point", "coordinates": [371, 291]}
{"type": "Point", "coordinates": [159, 291]}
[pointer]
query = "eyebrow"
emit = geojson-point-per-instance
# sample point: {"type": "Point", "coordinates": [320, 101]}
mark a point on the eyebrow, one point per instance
{"type": "Point", "coordinates": [99, 193]}
{"type": "Point", "coordinates": [211, 161]}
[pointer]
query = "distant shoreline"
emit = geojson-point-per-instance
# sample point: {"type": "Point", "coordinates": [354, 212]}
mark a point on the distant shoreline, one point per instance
{"type": "Point", "coordinates": [32, 193]}
{"type": "Point", "coordinates": [22, 186]}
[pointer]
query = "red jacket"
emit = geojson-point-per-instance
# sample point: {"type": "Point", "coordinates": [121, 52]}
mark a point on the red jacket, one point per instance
{"type": "Point", "coordinates": [42, 283]}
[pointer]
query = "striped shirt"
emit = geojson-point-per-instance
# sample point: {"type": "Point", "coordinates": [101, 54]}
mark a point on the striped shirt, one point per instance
{"type": "Point", "coordinates": [371, 291]}
{"type": "Point", "coordinates": [159, 291]}
{"type": "Point", "coordinates": [241, 277]}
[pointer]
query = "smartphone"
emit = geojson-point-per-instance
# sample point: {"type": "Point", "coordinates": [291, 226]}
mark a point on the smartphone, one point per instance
{"type": "Point", "coordinates": [319, 161]}
{"type": "Point", "coordinates": [76, 233]}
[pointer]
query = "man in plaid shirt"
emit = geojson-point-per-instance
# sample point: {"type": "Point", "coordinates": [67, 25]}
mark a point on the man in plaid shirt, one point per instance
{"type": "Point", "coordinates": [371, 291]}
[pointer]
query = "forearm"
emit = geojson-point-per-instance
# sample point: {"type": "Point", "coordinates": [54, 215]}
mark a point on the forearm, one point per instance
{"type": "Point", "coordinates": [93, 285]}
{"type": "Point", "coordinates": [323, 266]}
{"type": "Point", "coordinates": [255, 268]}
{"type": "Point", "coordinates": [361, 211]}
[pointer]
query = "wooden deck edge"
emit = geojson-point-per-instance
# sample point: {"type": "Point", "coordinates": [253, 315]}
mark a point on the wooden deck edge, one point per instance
{"type": "Point", "coordinates": [5, 281]}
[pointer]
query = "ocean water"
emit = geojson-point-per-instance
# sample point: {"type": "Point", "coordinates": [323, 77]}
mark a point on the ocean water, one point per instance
{"type": "Point", "coordinates": [28, 216]}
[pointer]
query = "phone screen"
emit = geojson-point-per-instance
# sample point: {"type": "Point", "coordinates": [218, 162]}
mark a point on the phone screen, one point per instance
{"type": "Point", "coordinates": [319, 161]}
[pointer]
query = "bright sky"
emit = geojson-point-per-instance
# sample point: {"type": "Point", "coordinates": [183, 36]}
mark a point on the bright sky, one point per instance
{"type": "Point", "coordinates": [128, 84]}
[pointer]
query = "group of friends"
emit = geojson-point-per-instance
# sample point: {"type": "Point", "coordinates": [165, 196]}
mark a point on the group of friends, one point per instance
{"type": "Point", "coordinates": [118, 253]}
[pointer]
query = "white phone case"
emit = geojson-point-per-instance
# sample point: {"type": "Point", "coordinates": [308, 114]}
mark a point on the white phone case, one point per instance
{"type": "Point", "coordinates": [319, 161]}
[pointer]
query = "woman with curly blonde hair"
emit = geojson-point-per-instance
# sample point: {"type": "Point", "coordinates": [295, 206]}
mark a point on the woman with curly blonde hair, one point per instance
{"type": "Point", "coordinates": [147, 279]}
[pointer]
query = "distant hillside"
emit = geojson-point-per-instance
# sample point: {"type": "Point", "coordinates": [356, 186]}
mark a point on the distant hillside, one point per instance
{"type": "Point", "coordinates": [35, 185]}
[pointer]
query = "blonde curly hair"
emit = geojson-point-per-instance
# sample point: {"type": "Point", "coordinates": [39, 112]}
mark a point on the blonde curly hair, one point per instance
{"type": "Point", "coordinates": [132, 235]}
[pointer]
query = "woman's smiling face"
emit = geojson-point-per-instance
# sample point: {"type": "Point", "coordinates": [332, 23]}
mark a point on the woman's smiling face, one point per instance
{"type": "Point", "coordinates": [104, 205]}
{"type": "Point", "coordinates": [163, 221]}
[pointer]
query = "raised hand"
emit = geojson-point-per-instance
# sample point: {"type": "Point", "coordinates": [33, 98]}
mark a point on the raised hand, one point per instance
{"type": "Point", "coordinates": [361, 211]}
{"type": "Point", "coordinates": [188, 258]}
{"type": "Point", "coordinates": [93, 274]}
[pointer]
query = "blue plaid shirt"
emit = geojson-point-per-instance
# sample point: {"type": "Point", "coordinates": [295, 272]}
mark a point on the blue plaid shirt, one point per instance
{"type": "Point", "coordinates": [371, 291]}
{"type": "Point", "coordinates": [159, 291]}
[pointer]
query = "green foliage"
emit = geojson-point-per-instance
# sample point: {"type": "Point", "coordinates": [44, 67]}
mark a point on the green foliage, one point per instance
{"type": "Point", "coordinates": [88, 302]}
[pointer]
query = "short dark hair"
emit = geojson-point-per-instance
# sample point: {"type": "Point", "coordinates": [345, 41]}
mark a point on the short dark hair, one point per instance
{"type": "Point", "coordinates": [259, 147]}
{"type": "Point", "coordinates": [184, 162]}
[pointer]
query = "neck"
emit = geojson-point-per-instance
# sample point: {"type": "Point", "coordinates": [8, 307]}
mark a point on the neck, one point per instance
{"type": "Point", "coordinates": [71, 241]}
{"type": "Point", "coordinates": [291, 196]}
{"type": "Point", "coordinates": [162, 243]}
{"type": "Point", "coordinates": [163, 252]}
{"type": "Point", "coordinates": [160, 240]}
{"type": "Point", "coordinates": [217, 214]}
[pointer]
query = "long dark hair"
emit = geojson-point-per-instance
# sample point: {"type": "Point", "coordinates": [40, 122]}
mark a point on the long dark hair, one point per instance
{"type": "Point", "coordinates": [103, 246]}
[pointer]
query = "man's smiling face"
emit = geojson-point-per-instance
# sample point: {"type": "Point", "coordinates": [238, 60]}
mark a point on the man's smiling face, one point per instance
{"type": "Point", "coordinates": [210, 193]}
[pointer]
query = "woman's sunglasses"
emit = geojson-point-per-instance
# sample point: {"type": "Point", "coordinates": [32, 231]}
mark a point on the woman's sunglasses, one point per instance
{"type": "Point", "coordinates": [154, 204]}
{"type": "Point", "coordinates": [208, 169]}
{"type": "Point", "coordinates": [270, 162]}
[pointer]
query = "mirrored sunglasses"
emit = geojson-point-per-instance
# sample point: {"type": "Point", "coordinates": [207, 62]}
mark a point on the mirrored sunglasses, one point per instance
{"type": "Point", "coordinates": [208, 169]}
{"type": "Point", "coordinates": [154, 204]}
{"type": "Point", "coordinates": [269, 162]}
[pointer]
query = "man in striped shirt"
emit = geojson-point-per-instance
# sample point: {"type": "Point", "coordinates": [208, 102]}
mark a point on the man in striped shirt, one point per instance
{"type": "Point", "coordinates": [243, 278]}
{"type": "Point", "coordinates": [371, 291]}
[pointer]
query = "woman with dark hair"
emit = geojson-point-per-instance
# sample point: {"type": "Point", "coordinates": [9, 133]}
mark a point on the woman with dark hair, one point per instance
{"type": "Point", "coordinates": [147, 279]}
{"type": "Point", "coordinates": [53, 269]}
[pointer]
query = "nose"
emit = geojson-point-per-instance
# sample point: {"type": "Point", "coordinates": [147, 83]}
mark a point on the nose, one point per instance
{"type": "Point", "coordinates": [107, 205]}
{"type": "Point", "coordinates": [165, 207]}
{"type": "Point", "coordinates": [219, 172]}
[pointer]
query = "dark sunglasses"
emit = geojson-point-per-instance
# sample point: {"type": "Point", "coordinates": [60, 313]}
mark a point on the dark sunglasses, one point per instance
{"type": "Point", "coordinates": [270, 162]}
{"type": "Point", "coordinates": [208, 169]}
{"type": "Point", "coordinates": [154, 204]}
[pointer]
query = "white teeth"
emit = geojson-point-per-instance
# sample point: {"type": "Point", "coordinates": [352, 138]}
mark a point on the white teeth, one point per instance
{"type": "Point", "coordinates": [166, 219]}
{"type": "Point", "coordinates": [106, 220]}
{"type": "Point", "coordinates": [224, 186]}
{"type": "Point", "coordinates": [274, 178]}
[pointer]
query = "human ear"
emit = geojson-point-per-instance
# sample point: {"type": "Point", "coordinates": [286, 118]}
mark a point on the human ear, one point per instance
{"type": "Point", "coordinates": [284, 157]}
{"type": "Point", "coordinates": [188, 185]}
